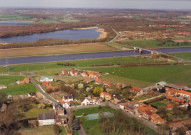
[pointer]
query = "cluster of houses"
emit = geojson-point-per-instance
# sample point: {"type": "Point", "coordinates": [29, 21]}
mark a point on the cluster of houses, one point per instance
{"type": "Point", "coordinates": [144, 111]}
{"type": "Point", "coordinates": [49, 86]}
{"type": "Point", "coordinates": [180, 95]}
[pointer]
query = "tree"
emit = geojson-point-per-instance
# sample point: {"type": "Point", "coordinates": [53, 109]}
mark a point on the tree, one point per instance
{"type": "Point", "coordinates": [75, 124]}
{"type": "Point", "coordinates": [2, 98]}
{"type": "Point", "coordinates": [97, 91]}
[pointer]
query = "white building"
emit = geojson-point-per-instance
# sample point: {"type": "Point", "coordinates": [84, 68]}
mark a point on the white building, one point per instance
{"type": "Point", "coordinates": [67, 98]}
{"type": "Point", "coordinates": [3, 87]}
{"type": "Point", "coordinates": [46, 79]}
{"type": "Point", "coordinates": [90, 101]}
{"type": "Point", "coordinates": [46, 119]}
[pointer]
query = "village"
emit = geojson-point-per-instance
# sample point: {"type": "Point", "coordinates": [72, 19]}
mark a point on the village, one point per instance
{"type": "Point", "coordinates": [152, 104]}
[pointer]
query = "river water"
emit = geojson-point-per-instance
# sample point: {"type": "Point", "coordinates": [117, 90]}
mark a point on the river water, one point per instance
{"type": "Point", "coordinates": [63, 34]}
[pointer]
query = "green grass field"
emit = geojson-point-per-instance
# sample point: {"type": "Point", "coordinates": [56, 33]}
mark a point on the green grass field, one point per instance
{"type": "Point", "coordinates": [33, 113]}
{"type": "Point", "coordinates": [93, 110]}
{"type": "Point", "coordinates": [174, 74]}
{"type": "Point", "coordinates": [48, 21]}
{"type": "Point", "coordinates": [6, 80]}
{"type": "Point", "coordinates": [186, 55]}
{"type": "Point", "coordinates": [42, 130]}
{"type": "Point", "coordinates": [159, 104]}
{"type": "Point", "coordinates": [151, 44]}
{"type": "Point", "coordinates": [20, 89]}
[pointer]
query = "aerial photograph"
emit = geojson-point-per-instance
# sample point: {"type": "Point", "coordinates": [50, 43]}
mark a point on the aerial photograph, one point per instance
{"type": "Point", "coordinates": [95, 67]}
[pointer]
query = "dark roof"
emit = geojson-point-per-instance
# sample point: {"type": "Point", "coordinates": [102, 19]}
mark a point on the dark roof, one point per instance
{"type": "Point", "coordinates": [46, 116]}
{"type": "Point", "coordinates": [68, 97]}
{"type": "Point", "coordinates": [118, 97]}
{"type": "Point", "coordinates": [58, 106]}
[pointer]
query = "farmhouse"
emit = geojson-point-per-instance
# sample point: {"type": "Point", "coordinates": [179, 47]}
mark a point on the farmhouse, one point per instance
{"type": "Point", "coordinates": [171, 92]}
{"type": "Point", "coordinates": [3, 87]}
{"type": "Point", "coordinates": [46, 119]}
{"type": "Point", "coordinates": [26, 80]}
{"type": "Point", "coordinates": [84, 74]}
{"type": "Point", "coordinates": [105, 95]}
{"type": "Point", "coordinates": [46, 79]}
{"type": "Point", "coordinates": [93, 75]}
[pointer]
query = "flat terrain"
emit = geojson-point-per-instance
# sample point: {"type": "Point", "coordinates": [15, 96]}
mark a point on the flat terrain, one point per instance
{"type": "Point", "coordinates": [153, 44]}
{"type": "Point", "coordinates": [178, 74]}
{"type": "Point", "coordinates": [60, 49]}
{"type": "Point", "coordinates": [186, 55]}
{"type": "Point", "coordinates": [43, 130]}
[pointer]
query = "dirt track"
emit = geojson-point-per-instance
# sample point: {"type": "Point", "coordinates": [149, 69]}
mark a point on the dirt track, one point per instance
{"type": "Point", "coordinates": [59, 49]}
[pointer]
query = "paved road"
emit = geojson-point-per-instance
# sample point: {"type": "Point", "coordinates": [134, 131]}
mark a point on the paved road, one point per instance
{"type": "Point", "coordinates": [46, 95]}
{"type": "Point", "coordinates": [116, 37]}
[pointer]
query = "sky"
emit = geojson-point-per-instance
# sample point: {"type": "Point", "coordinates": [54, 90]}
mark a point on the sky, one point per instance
{"type": "Point", "coordinates": [128, 4]}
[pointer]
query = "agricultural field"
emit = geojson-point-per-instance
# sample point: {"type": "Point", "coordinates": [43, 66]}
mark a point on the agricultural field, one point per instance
{"type": "Point", "coordinates": [20, 89]}
{"type": "Point", "coordinates": [186, 55]}
{"type": "Point", "coordinates": [8, 80]}
{"type": "Point", "coordinates": [151, 44]}
{"type": "Point", "coordinates": [60, 49]}
{"type": "Point", "coordinates": [177, 74]}
{"type": "Point", "coordinates": [42, 130]}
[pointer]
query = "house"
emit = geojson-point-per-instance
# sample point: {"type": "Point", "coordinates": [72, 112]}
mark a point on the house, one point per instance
{"type": "Point", "coordinates": [132, 107]}
{"type": "Point", "coordinates": [46, 84]}
{"type": "Point", "coordinates": [146, 114]}
{"type": "Point", "coordinates": [183, 93]}
{"type": "Point", "coordinates": [93, 75]}
{"type": "Point", "coordinates": [67, 98]}
{"type": "Point", "coordinates": [105, 95]}
{"type": "Point", "coordinates": [57, 106]}
{"type": "Point", "coordinates": [64, 104]}
{"type": "Point", "coordinates": [98, 81]}
{"type": "Point", "coordinates": [90, 101]}
{"type": "Point", "coordinates": [64, 72]}
{"type": "Point", "coordinates": [188, 132]}
{"type": "Point", "coordinates": [26, 80]}
{"type": "Point", "coordinates": [84, 74]}
{"type": "Point", "coordinates": [178, 100]}
{"type": "Point", "coordinates": [123, 105]}
{"type": "Point", "coordinates": [137, 90]}
{"type": "Point", "coordinates": [32, 94]}
{"type": "Point", "coordinates": [46, 119]}
{"type": "Point", "coordinates": [156, 119]}
{"type": "Point", "coordinates": [120, 85]}
{"type": "Point", "coordinates": [169, 106]}
{"type": "Point", "coordinates": [3, 87]}
{"type": "Point", "coordinates": [87, 80]}
{"type": "Point", "coordinates": [171, 91]}
{"type": "Point", "coordinates": [3, 108]}
{"type": "Point", "coordinates": [117, 98]}
{"type": "Point", "coordinates": [106, 83]}
{"type": "Point", "coordinates": [184, 33]}
{"type": "Point", "coordinates": [72, 72]}
{"type": "Point", "coordinates": [46, 79]}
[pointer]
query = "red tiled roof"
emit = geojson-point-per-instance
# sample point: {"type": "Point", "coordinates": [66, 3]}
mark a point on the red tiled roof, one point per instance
{"type": "Point", "coordinates": [108, 83]}
{"type": "Point", "coordinates": [175, 99]}
{"type": "Point", "coordinates": [169, 106]}
{"type": "Point", "coordinates": [62, 102]}
{"type": "Point", "coordinates": [136, 89]}
{"type": "Point", "coordinates": [183, 92]}
{"type": "Point", "coordinates": [99, 81]}
{"type": "Point", "coordinates": [87, 79]}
